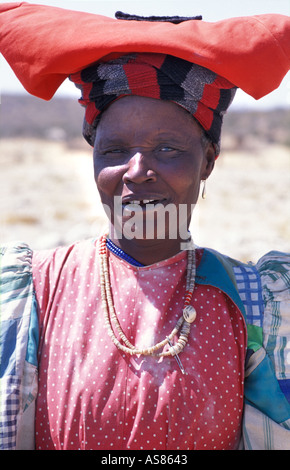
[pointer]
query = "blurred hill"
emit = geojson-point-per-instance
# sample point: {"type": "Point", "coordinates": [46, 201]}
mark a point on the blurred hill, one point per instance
{"type": "Point", "coordinates": [26, 116]}
{"type": "Point", "coordinates": [61, 119]}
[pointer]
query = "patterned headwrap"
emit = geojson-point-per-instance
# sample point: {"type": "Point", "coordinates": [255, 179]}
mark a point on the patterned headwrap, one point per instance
{"type": "Point", "coordinates": [203, 93]}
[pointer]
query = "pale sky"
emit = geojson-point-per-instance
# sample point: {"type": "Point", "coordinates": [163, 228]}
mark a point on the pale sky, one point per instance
{"type": "Point", "coordinates": [211, 10]}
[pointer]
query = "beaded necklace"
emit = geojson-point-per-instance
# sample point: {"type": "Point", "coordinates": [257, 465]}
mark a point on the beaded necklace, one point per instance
{"type": "Point", "coordinates": [183, 324]}
{"type": "Point", "coordinates": [119, 252]}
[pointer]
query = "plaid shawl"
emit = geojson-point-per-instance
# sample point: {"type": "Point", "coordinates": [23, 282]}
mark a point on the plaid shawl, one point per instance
{"type": "Point", "coordinates": [200, 91]}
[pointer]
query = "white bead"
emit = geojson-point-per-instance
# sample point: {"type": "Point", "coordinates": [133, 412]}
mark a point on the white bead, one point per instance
{"type": "Point", "coordinates": [189, 314]}
{"type": "Point", "coordinates": [172, 351]}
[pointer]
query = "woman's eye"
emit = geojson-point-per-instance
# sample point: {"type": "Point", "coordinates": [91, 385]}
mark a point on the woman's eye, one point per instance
{"type": "Point", "coordinates": [166, 149]}
{"type": "Point", "coordinates": [115, 151]}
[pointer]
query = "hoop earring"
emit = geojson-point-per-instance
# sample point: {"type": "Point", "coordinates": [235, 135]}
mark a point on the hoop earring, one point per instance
{"type": "Point", "coordinates": [203, 194]}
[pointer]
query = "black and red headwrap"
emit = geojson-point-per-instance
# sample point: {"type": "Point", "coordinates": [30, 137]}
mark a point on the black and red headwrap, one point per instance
{"type": "Point", "coordinates": [203, 93]}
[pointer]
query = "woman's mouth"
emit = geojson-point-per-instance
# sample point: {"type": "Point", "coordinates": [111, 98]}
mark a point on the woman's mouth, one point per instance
{"type": "Point", "coordinates": [142, 203]}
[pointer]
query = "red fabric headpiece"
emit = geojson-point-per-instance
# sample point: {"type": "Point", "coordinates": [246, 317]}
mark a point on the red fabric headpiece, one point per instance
{"type": "Point", "coordinates": [44, 45]}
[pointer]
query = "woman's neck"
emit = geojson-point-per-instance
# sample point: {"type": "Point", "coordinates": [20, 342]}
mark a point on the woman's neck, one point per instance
{"type": "Point", "coordinates": [149, 251]}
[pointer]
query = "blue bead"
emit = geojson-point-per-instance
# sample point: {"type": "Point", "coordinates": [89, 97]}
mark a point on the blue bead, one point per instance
{"type": "Point", "coordinates": [119, 252]}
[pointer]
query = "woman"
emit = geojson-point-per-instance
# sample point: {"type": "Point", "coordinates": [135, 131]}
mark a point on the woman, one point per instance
{"type": "Point", "coordinates": [145, 341]}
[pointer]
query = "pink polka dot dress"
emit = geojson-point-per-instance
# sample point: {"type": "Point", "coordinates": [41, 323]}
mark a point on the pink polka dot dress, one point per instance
{"type": "Point", "coordinates": [94, 396]}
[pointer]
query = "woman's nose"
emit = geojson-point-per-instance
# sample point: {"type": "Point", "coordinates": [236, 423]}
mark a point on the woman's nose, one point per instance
{"type": "Point", "coordinates": [138, 170]}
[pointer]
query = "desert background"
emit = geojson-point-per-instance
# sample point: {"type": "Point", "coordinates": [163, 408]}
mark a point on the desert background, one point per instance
{"type": "Point", "coordinates": [48, 196]}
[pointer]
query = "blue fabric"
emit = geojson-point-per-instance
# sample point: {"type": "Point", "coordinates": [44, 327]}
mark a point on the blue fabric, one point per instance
{"type": "Point", "coordinates": [250, 290]}
{"type": "Point", "coordinates": [285, 387]}
{"type": "Point", "coordinates": [33, 336]}
{"type": "Point", "coordinates": [8, 335]}
{"type": "Point", "coordinates": [262, 390]}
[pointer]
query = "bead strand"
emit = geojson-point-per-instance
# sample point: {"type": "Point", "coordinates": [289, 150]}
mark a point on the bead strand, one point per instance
{"type": "Point", "coordinates": [111, 319]}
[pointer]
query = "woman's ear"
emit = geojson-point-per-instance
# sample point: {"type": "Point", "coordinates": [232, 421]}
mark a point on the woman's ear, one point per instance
{"type": "Point", "coordinates": [210, 157]}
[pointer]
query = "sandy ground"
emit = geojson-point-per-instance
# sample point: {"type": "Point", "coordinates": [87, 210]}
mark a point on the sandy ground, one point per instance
{"type": "Point", "coordinates": [48, 198]}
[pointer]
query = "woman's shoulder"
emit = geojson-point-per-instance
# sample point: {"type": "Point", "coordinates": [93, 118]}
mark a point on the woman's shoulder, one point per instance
{"type": "Point", "coordinates": [259, 285]}
{"type": "Point", "coordinates": [274, 269]}
{"type": "Point", "coordinates": [19, 261]}
{"type": "Point", "coordinates": [15, 265]}
{"type": "Point", "coordinates": [54, 258]}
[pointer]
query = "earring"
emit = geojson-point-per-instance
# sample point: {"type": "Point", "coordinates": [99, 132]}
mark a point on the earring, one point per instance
{"type": "Point", "coordinates": [203, 195]}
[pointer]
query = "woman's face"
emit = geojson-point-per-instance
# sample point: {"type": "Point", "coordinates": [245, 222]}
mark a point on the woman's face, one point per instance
{"type": "Point", "coordinates": [149, 151]}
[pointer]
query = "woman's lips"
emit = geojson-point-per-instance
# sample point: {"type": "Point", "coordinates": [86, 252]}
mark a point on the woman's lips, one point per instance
{"type": "Point", "coordinates": [142, 204]}
{"type": "Point", "coordinates": [143, 199]}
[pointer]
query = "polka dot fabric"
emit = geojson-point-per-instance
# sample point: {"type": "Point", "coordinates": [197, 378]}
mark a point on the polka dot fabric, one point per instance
{"type": "Point", "coordinates": [93, 396]}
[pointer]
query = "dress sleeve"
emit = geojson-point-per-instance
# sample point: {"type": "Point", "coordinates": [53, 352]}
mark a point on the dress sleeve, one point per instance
{"type": "Point", "coordinates": [267, 383]}
{"type": "Point", "coordinates": [47, 266]}
{"type": "Point", "coordinates": [18, 346]}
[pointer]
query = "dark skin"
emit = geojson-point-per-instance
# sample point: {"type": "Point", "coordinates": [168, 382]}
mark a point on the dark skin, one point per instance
{"type": "Point", "coordinates": [148, 149]}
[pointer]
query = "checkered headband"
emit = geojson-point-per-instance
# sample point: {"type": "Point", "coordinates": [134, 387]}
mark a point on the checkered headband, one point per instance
{"type": "Point", "coordinates": [204, 94]}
